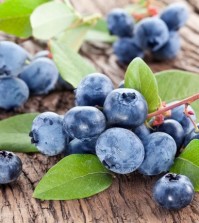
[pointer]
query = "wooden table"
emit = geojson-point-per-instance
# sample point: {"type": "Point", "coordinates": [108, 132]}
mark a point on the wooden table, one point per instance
{"type": "Point", "coordinates": [129, 199]}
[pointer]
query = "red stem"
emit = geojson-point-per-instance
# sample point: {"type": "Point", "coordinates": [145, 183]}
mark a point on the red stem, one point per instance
{"type": "Point", "coordinates": [188, 100]}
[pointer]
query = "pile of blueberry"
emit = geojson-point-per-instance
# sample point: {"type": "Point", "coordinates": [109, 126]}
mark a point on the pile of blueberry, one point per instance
{"type": "Point", "coordinates": [22, 74]}
{"type": "Point", "coordinates": [157, 35]}
{"type": "Point", "coordinates": [110, 123]}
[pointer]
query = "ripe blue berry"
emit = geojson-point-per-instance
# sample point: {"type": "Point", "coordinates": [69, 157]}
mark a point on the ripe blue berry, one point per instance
{"type": "Point", "coordinates": [173, 191]}
{"type": "Point", "coordinates": [151, 34]}
{"type": "Point", "coordinates": [81, 146]}
{"type": "Point", "coordinates": [126, 50]}
{"type": "Point", "coordinates": [160, 149]}
{"type": "Point", "coordinates": [48, 134]}
{"type": "Point", "coordinates": [40, 75]}
{"type": "Point", "coordinates": [12, 58]}
{"type": "Point", "coordinates": [141, 131]}
{"type": "Point", "coordinates": [84, 122]}
{"type": "Point", "coordinates": [175, 16]}
{"type": "Point", "coordinates": [174, 129]}
{"type": "Point", "coordinates": [10, 167]}
{"type": "Point", "coordinates": [126, 108]}
{"type": "Point", "coordinates": [13, 92]}
{"type": "Point", "coordinates": [120, 23]}
{"type": "Point", "coordinates": [93, 90]}
{"type": "Point", "coordinates": [179, 115]}
{"type": "Point", "coordinates": [190, 136]}
{"type": "Point", "coordinates": [120, 150]}
{"type": "Point", "coordinates": [170, 49]}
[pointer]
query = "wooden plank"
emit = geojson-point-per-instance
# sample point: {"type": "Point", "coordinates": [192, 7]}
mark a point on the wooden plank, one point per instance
{"type": "Point", "coordinates": [129, 199]}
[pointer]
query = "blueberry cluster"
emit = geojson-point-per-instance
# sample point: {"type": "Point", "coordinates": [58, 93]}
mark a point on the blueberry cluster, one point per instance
{"type": "Point", "coordinates": [158, 35]}
{"type": "Point", "coordinates": [20, 74]}
{"type": "Point", "coordinates": [110, 123]}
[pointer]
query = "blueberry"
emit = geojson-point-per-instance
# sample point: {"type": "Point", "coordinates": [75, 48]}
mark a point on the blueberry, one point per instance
{"type": "Point", "coordinates": [84, 122]}
{"type": "Point", "coordinates": [12, 58]}
{"type": "Point", "coordinates": [126, 108]}
{"type": "Point", "coordinates": [151, 33]}
{"type": "Point", "coordinates": [13, 92]}
{"type": "Point", "coordinates": [174, 129]}
{"type": "Point", "coordinates": [175, 16]}
{"type": "Point", "coordinates": [93, 90]}
{"type": "Point", "coordinates": [160, 149]}
{"type": "Point", "coordinates": [120, 150]}
{"type": "Point", "coordinates": [10, 167]}
{"type": "Point", "coordinates": [81, 146]}
{"type": "Point", "coordinates": [126, 50]}
{"type": "Point", "coordinates": [178, 114]}
{"type": "Point", "coordinates": [48, 135]}
{"type": "Point", "coordinates": [173, 191]}
{"type": "Point", "coordinates": [170, 49]}
{"type": "Point", "coordinates": [190, 136]}
{"type": "Point", "coordinates": [121, 84]}
{"type": "Point", "coordinates": [120, 23]}
{"type": "Point", "coordinates": [40, 75]}
{"type": "Point", "coordinates": [142, 131]}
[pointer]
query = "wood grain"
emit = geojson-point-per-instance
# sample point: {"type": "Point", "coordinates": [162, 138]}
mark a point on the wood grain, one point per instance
{"type": "Point", "coordinates": [129, 199]}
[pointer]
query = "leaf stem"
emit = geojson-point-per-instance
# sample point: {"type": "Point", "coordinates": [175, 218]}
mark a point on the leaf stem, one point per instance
{"type": "Point", "coordinates": [188, 100]}
{"type": "Point", "coordinates": [88, 20]}
{"type": "Point", "coordinates": [92, 19]}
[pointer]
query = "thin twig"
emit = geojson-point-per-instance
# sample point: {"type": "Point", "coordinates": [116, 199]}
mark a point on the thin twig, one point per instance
{"type": "Point", "coordinates": [188, 100]}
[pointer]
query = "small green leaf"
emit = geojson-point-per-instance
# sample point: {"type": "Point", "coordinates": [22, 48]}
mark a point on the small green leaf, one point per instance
{"type": "Point", "coordinates": [74, 177]}
{"type": "Point", "coordinates": [176, 85]}
{"type": "Point", "coordinates": [188, 163]}
{"type": "Point", "coordinates": [71, 65]}
{"type": "Point", "coordinates": [140, 77]}
{"type": "Point", "coordinates": [14, 133]}
{"type": "Point", "coordinates": [73, 38]}
{"type": "Point", "coordinates": [50, 19]}
{"type": "Point", "coordinates": [100, 32]}
{"type": "Point", "coordinates": [15, 16]}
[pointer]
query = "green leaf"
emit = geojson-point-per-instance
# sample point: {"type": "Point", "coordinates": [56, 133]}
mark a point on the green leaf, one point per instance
{"type": "Point", "coordinates": [15, 16]}
{"type": "Point", "coordinates": [188, 163]}
{"type": "Point", "coordinates": [50, 19]}
{"type": "Point", "coordinates": [73, 38]}
{"type": "Point", "coordinates": [71, 65]}
{"type": "Point", "coordinates": [176, 85]}
{"type": "Point", "coordinates": [100, 32]}
{"type": "Point", "coordinates": [14, 133]}
{"type": "Point", "coordinates": [74, 177]}
{"type": "Point", "coordinates": [140, 77]}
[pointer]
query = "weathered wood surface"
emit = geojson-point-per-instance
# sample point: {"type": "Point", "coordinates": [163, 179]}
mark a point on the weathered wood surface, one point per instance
{"type": "Point", "coordinates": [129, 199]}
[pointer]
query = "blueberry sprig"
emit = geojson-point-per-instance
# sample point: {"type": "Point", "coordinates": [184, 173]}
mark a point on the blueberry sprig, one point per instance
{"type": "Point", "coordinates": [157, 34]}
{"type": "Point", "coordinates": [119, 136]}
